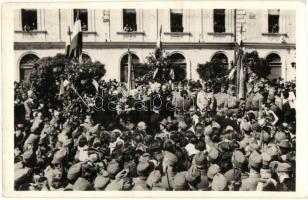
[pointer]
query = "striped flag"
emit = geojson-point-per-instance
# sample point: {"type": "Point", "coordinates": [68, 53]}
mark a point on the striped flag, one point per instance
{"type": "Point", "coordinates": [68, 43]}
{"type": "Point", "coordinates": [76, 44]}
{"type": "Point", "coordinates": [158, 47]}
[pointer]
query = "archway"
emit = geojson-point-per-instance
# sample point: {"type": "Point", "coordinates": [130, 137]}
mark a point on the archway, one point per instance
{"type": "Point", "coordinates": [25, 66]}
{"type": "Point", "coordinates": [274, 62]}
{"type": "Point", "coordinates": [220, 58]}
{"type": "Point", "coordinates": [179, 65]}
{"type": "Point", "coordinates": [124, 66]}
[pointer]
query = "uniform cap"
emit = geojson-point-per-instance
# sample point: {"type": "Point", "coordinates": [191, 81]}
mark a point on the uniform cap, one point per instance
{"type": "Point", "coordinates": [144, 157]}
{"type": "Point", "coordinates": [219, 183]}
{"type": "Point", "coordinates": [284, 167]}
{"type": "Point", "coordinates": [213, 170]}
{"type": "Point", "coordinates": [101, 180]}
{"type": "Point", "coordinates": [272, 151]}
{"type": "Point", "coordinates": [266, 136]}
{"type": "Point", "coordinates": [266, 158]}
{"type": "Point", "coordinates": [81, 184]}
{"type": "Point", "coordinates": [192, 174]}
{"type": "Point", "coordinates": [233, 175]}
{"type": "Point", "coordinates": [153, 178]}
{"type": "Point", "coordinates": [182, 125]}
{"type": "Point", "coordinates": [143, 168]}
{"type": "Point", "coordinates": [238, 158]}
{"type": "Point", "coordinates": [200, 160]}
{"type": "Point", "coordinates": [180, 182]}
{"type": "Point", "coordinates": [255, 159]}
{"type": "Point", "coordinates": [59, 156]}
{"type": "Point", "coordinates": [246, 127]}
{"type": "Point", "coordinates": [208, 130]}
{"type": "Point", "coordinates": [73, 172]}
{"type": "Point", "coordinates": [22, 174]}
{"type": "Point", "coordinates": [113, 168]}
{"type": "Point", "coordinates": [284, 144]}
{"type": "Point", "coordinates": [27, 155]}
{"type": "Point", "coordinates": [279, 136]}
{"type": "Point", "coordinates": [170, 158]}
{"type": "Point", "coordinates": [213, 154]}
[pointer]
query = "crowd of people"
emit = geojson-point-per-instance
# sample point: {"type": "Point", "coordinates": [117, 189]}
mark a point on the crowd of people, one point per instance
{"type": "Point", "coordinates": [191, 135]}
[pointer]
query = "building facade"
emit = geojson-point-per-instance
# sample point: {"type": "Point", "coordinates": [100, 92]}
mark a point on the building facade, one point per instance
{"type": "Point", "coordinates": [191, 36]}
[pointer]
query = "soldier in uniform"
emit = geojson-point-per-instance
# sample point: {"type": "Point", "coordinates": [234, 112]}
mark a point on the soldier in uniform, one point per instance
{"type": "Point", "coordinates": [250, 183]}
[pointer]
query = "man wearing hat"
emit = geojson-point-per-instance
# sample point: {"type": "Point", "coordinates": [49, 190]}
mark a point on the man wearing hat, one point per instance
{"type": "Point", "coordinates": [200, 161]}
{"type": "Point", "coordinates": [219, 183]}
{"type": "Point", "coordinates": [255, 164]}
{"type": "Point", "coordinates": [285, 183]}
{"type": "Point", "coordinates": [144, 168]}
{"type": "Point", "coordinates": [169, 170]}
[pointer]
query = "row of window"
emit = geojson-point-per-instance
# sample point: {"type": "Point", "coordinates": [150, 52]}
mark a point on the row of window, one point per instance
{"type": "Point", "coordinates": [27, 62]}
{"type": "Point", "coordinates": [29, 20]}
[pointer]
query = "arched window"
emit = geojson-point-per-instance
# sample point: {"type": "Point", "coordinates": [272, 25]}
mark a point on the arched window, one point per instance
{"type": "Point", "coordinates": [179, 65]}
{"type": "Point", "coordinates": [124, 66]}
{"type": "Point", "coordinates": [26, 65]}
{"type": "Point", "coordinates": [221, 59]}
{"type": "Point", "coordinates": [274, 61]}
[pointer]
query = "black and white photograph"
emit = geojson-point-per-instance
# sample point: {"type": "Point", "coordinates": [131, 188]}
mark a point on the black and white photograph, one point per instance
{"type": "Point", "coordinates": [154, 99]}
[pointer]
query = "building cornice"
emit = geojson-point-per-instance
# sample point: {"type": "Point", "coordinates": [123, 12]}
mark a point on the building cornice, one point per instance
{"type": "Point", "coordinates": [151, 45]}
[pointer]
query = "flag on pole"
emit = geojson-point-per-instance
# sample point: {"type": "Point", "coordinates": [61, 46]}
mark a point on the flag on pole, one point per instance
{"type": "Point", "coordinates": [158, 47]}
{"type": "Point", "coordinates": [172, 74]}
{"type": "Point", "coordinates": [241, 81]}
{"type": "Point", "coordinates": [95, 84]}
{"type": "Point", "coordinates": [68, 43]}
{"type": "Point", "coordinates": [76, 44]}
{"type": "Point", "coordinates": [129, 68]}
{"type": "Point", "coordinates": [155, 73]}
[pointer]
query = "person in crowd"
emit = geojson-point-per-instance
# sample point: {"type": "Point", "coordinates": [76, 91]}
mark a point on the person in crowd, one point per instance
{"type": "Point", "coordinates": [159, 137]}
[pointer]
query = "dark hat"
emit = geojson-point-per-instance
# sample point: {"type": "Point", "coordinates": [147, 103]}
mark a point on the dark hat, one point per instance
{"type": "Point", "coordinates": [219, 183]}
